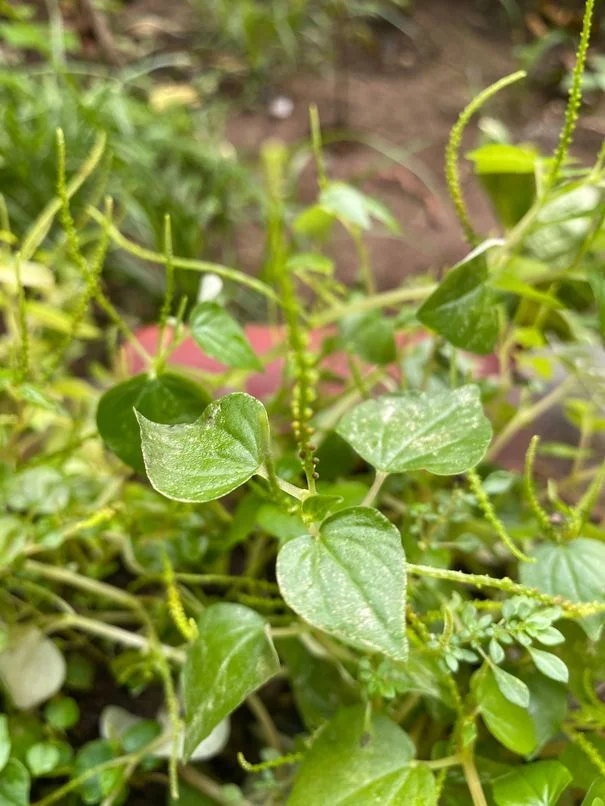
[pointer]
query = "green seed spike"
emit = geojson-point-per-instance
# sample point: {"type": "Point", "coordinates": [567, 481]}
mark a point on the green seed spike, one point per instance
{"type": "Point", "coordinates": [316, 144]}
{"type": "Point", "coordinates": [539, 512]}
{"type": "Point", "coordinates": [491, 517]}
{"type": "Point", "coordinates": [302, 360]}
{"type": "Point", "coordinates": [591, 496]}
{"type": "Point", "coordinates": [23, 353]}
{"type": "Point", "coordinates": [91, 287]}
{"type": "Point", "coordinates": [169, 289]}
{"type": "Point", "coordinates": [575, 98]}
{"type": "Point", "coordinates": [452, 153]}
{"type": "Point", "coordinates": [187, 627]}
{"type": "Point", "coordinates": [271, 764]}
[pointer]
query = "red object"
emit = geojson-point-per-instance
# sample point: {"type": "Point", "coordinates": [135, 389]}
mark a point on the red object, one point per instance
{"type": "Point", "coordinates": [264, 339]}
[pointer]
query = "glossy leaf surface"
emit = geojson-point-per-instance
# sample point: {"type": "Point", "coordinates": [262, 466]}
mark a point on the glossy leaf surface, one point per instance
{"type": "Point", "coordinates": [538, 784]}
{"type": "Point", "coordinates": [442, 432]}
{"type": "Point", "coordinates": [168, 399]}
{"type": "Point", "coordinates": [344, 767]}
{"type": "Point", "coordinates": [462, 309]}
{"type": "Point", "coordinates": [221, 337]}
{"type": "Point", "coordinates": [231, 657]}
{"type": "Point", "coordinates": [349, 580]}
{"type": "Point", "coordinates": [211, 457]}
{"type": "Point", "coordinates": [573, 570]}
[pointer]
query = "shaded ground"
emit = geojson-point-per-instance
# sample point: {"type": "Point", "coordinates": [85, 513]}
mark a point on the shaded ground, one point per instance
{"type": "Point", "coordinates": [409, 95]}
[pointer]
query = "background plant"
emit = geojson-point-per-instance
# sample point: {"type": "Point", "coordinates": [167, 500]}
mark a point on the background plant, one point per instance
{"type": "Point", "coordinates": [335, 592]}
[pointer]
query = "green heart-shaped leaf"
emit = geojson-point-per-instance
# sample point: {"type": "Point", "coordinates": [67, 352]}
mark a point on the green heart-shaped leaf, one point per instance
{"type": "Point", "coordinates": [168, 398]}
{"type": "Point", "coordinates": [573, 570]}
{"type": "Point", "coordinates": [231, 657]}
{"type": "Point", "coordinates": [221, 337]}
{"type": "Point", "coordinates": [347, 767]}
{"type": "Point", "coordinates": [349, 580]}
{"type": "Point", "coordinates": [462, 309]}
{"type": "Point", "coordinates": [538, 784]}
{"type": "Point", "coordinates": [443, 432]}
{"type": "Point", "coordinates": [211, 457]}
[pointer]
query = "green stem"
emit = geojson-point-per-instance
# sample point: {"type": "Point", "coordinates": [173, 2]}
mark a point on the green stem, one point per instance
{"type": "Point", "coordinates": [42, 224]}
{"type": "Point", "coordinates": [507, 585]}
{"type": "Point", "coordinates": [23, 353]}
{"type": "Point", "coordinates": [439, 763]}
{"type": "Point", "coordinates": [179, 262]}
{"type": "Point", "coordinates": [117, 635]}
{"type": "Point", "coordinates": [379, 480]}
{"type": "Point", "coordinates": [205, 785]}
{"type": "Point", "coordinates": [60, 793]}
{"type": "Point", "coordinates": [67, 577]}
{"type": "Point", "coordinates": [490, 516]}
{"type": "Point", "coordinates": [365, 269]}
{"type": "Point", "coordinates": [589, 750]}
{"type": "Point", "coordinates": [590, 497]}
{"type": "Point", "coordinates": [263, 717]}
{"type": "Point", "coordinates": [322, 178]}
{"type": "Point", "coordinates": [384, 300]}
{"type": "Point", "coordinates": [472, 779]}
{"type": "Point", "coordinates": [526, 416]}
{"type": "Point", "coordinates": [169, 289]}
{"type": "Point", "coordinates": [540, 514]}
{"type": "Point", "coordinates": [291, 489]}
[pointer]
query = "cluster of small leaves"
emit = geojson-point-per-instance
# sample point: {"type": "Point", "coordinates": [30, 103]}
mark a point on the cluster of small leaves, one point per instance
{"type": "Point", "coordinates": [430, 523]}
{"type": "Point", "coordinates": [470, 634]}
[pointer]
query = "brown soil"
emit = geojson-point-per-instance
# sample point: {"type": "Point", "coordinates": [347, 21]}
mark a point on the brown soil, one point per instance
{"type": "Point", "coordinates": [407, 95]}
{"type": "Point", "coordinates": [404, 90]}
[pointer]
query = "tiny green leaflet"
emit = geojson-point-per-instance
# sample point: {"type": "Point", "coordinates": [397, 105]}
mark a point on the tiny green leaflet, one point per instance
{"type": "Point", "coordinates": [444, 432]}
{"type": "Point", "coordinates": [511, 687]}
{"type": "Point", "coordinates": [42, 758]}
{"type": "Point", "coordinates": [549, 664]}
{"type": "Point", "coordinates": [209, 458]}
{"type": "Point", "coordinates": [349, 580]}
{"type": "Point", "coordinates": [231, 657]}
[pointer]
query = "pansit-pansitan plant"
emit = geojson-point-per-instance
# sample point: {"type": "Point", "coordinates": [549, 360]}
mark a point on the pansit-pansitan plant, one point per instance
{"type": "Point", "coordinates": [340, 591]}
